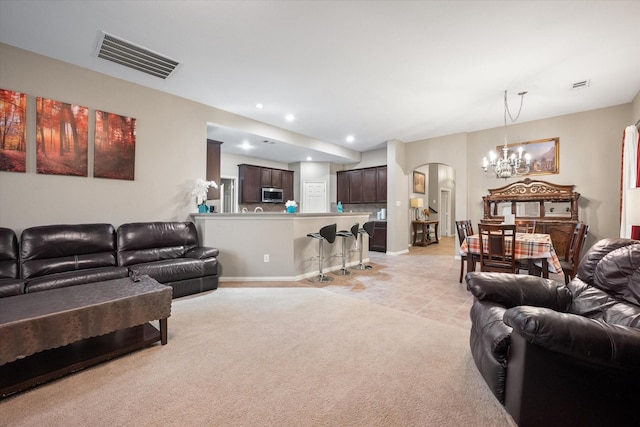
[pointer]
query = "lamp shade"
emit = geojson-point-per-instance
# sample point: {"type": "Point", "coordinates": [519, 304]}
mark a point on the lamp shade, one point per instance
{"type": "Point", "coordinates": [416, 202]}
{"type": "Point", "coordinates": [632, 203]}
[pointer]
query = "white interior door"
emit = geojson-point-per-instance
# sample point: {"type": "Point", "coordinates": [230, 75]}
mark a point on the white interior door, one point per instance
{"type": "Point", "coordinates": [314, 197]}
{"type": "Point", "coordinates": [445, 212]}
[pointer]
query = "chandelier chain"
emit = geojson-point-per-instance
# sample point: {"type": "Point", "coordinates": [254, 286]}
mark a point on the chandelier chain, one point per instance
{"type": "Point", "coordinates": [508, 164]}
{"type": "Point", "coordinates": [507, 111]}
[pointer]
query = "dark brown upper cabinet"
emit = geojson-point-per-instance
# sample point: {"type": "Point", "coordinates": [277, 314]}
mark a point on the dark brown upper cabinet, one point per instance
{"type": "Point", "coordinates": [367, 185]}
{"type": "Point", "coordinates": [253, 178]}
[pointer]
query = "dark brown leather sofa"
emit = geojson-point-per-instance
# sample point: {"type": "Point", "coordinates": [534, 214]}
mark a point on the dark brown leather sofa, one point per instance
{"type": "Point", "coordinates": [10, 282]}
{"type": "Point", "coordinates": [56, 256]}
{"type": "Point", "coordinates": [563, 355]}
{"type": "Point", "coordinates": [168, 252]}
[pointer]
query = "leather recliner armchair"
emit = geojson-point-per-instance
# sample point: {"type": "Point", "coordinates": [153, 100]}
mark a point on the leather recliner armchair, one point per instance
{"type": "Point", "coordinates": [559, 354]}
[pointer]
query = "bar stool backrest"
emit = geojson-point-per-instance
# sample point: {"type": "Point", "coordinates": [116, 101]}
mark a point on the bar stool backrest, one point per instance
{"type": "Point", "coordinates": [354, 230]}
{"type": "Point", "coordinates": [368, 227]}
{"type": "Point", "coordinates": [328, 232]}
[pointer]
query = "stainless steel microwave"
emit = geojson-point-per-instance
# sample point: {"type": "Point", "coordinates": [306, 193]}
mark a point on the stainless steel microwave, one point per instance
{"type": "Point", "coordinates": [271, 195]}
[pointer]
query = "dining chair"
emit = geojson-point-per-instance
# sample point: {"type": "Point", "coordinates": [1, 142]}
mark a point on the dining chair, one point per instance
{"type": "Point", "coordinates": [464, 229]}
{"type": "Point", "coordinates": [525, 225]}
{"type": "Point", "coordinates": [572, 258]}
{"type": "Point", "coordinates": [496, 254]}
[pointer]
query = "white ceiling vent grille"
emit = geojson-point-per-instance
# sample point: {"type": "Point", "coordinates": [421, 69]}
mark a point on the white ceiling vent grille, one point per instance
{"type": "Point", "coordinates": [133, 56]}
{"type": "Point", "coordinates": [580, 85]}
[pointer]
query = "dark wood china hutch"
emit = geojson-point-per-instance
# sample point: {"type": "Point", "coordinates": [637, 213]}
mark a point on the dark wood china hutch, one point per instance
{"type": "Point", "coordinates": [554, 207]}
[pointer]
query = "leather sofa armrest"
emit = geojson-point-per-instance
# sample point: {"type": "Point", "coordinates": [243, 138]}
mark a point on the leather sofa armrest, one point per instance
{"type": "Point", "coordinates": [512, 290]}
{"type": "Point", "coordinates": [592, 341]}
{"type": "Point", "coordinates": [202, 252]}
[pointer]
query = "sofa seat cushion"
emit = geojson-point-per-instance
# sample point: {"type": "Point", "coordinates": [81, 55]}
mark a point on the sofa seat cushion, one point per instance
{"type": "Point", "coordinates": [11, 287]}
{"type": "Point", "coordinates": [172, 270]}
{"type": "Point", "coordinates": [73, 278]}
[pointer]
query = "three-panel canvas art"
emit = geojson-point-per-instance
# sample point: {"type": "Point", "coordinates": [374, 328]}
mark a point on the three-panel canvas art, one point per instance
{"type": "Point", "coordinates": [62, 139]}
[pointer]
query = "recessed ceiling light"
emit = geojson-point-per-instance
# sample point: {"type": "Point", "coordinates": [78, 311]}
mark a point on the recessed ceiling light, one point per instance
{"type": "Point", "coordinates": [266, 141]}
{"type": "Point", "coordinates": [350, 138]}
{"type": "Point", "coordinates": [309, 158]}
{"type": "Point", "coordinates": [246, 146]}
{"type": "Point", "coordinates": [289, 117]}
{"type": "Point", "coordinates": [259, 106]}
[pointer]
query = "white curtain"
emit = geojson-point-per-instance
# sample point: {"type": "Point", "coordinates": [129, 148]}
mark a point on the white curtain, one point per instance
{"type": "Point", "coordinates": [629, 173]}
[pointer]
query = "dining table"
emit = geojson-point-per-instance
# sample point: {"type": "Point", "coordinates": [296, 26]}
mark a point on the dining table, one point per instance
{"type": "Point", "coordinates": [534, 247]}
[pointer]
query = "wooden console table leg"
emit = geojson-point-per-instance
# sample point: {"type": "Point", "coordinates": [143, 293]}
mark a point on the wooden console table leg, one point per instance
{"type": "Point", "coordinates": [163, 331]}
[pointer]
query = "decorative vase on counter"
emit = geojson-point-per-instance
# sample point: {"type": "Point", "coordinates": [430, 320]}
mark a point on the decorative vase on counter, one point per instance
{"type": "Point", "coordinates": [203, 208]}
{"type": "Point", "coordinates": [291, 209]}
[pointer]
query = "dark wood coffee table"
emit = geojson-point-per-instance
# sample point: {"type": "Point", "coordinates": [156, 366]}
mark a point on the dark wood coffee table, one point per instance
{"type": "Point", "coordinates": [48, 334]}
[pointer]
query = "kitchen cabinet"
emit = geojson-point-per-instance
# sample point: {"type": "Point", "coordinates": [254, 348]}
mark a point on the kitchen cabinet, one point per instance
{"type": "Point", "coordinates": [287, 185]}
{"type": "Point", "coordinates": [342, 187]}
{"type": "Point", "coordinates": [381, 184]}
{"type": "Point", "coordinates": [378, 242]}
{"type": "Point", "coordinates": [367, 185]}
{"type": "Point", "coordinates": [213, 167]}
{"type": "Point", "coordinates": [252, 178]}
{"type": "Point", "coordinates": [250, 183]}
{"type": "Point", "coordinates": [355, 186]}
{"type": "Point", "coordinates": [271, 178]}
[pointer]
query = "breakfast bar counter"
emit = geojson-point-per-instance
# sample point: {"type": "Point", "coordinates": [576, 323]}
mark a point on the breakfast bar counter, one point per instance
{"type": "Point", "coordinates": [274, 246]}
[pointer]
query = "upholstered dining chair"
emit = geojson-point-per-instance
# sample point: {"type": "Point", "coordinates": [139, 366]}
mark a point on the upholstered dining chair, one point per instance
{"type": "Point", "coordinates": [525, 225]}
{"type": "Point", "coordinates": [496, 254]}
{"type": "Point", "coordinates": [572, 258]}
{"type": "Point", "coordinates": [464, 229]}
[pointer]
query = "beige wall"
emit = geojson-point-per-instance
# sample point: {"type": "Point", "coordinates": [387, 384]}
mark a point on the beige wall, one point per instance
{"type": "Point", "coordinates": [171, 153]}
{"type": "Point", "coordinates": [590, 149]}
{"type": "Point", "coordinates": [170, 149]}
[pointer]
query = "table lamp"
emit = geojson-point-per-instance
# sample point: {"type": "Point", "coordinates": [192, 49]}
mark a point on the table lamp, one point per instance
{"type": "Point", "coordinates": [416, 204]}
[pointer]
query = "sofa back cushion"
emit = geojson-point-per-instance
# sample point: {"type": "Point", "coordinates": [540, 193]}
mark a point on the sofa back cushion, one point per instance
{"type": "Point", "coordinates": [53, 249]}
{"type": "Point", "coordinates": [8, 254]}
{"type": "Point", "coordinates": [154, 241]}
{"type": "Point", "coordinates": [613, 266]}
{"type": "Point", "coordinates": [607, 286]}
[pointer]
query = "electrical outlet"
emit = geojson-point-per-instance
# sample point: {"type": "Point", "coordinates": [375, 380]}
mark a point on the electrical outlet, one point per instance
{"type": "Point", "coordinates": [266, 257]}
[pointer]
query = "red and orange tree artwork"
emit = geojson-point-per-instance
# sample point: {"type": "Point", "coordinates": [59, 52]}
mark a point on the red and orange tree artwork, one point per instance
{"type": "Point", "coordinates": [62, 132]}
{"type": "Point", "coordinates": [13, 124]}
{"type": "Point", "coordinates": [115, 146]}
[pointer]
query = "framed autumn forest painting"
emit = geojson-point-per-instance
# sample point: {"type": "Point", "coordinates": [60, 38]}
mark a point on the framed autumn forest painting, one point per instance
{"type": "Point", "coordinates": [62, 131]}
{"type": "Point", "coordinates": [13, 125]}
{"type": "Point", "coordinates": [115, 146]}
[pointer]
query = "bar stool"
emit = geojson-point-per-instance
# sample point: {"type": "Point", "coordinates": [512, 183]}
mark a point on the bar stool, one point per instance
{"type": "Point", "coordinates": [328, 233]}
{"type": "Point", "coordinates": [367, 228]}
{"type": "Point", "coordinates": [345, 234]}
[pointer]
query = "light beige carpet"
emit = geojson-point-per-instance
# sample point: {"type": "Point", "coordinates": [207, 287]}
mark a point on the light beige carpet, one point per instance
{"type": "Point", "coordinates": [276, 357]}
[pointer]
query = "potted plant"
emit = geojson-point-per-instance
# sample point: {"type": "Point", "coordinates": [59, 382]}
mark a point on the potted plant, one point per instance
{"type": "Point", "coordinates": [291, 206]}
{"type": "Point", "coordinates": [200, 192]}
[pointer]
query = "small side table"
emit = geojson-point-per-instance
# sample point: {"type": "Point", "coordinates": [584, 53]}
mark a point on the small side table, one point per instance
{"type": "Point", "coordinates": [424, 227]}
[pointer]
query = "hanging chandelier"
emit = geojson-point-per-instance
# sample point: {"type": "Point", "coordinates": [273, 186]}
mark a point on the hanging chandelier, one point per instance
{"type": "Point", "coordinates": [507, 166]}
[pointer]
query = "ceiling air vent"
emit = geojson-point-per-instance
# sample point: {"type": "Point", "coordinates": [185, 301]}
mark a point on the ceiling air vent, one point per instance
{"type": "Point", "coordinates": [133, 56]}
{"type": "Point", "coordinates": [580, 85]}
